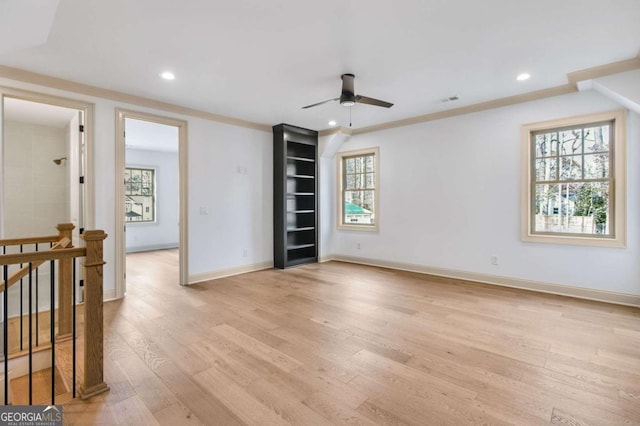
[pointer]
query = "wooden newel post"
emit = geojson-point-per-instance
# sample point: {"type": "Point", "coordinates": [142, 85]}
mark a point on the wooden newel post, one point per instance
{"type": "Point", "coordinates": [93, 319]}
{"type": "Point", "coordinates": [65, 290]}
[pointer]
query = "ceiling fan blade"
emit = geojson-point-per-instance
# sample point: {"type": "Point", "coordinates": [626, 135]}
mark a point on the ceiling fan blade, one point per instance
{"type": "Point", "coordinates": [370, 101]}
{"type": "Point", "coordinates": [320, 103]}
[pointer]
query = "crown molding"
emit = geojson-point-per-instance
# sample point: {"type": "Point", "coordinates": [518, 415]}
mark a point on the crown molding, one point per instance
{"type": "Point", "coordinates": [603, 70]}
{"type": "Point", "coordinates": [114, 95]}
{"type": "Point", "coordinates": [483, 106]}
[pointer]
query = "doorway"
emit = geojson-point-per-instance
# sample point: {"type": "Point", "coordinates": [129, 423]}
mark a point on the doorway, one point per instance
{"type": "Point", "coordinates": [152, 189]}
{"type": "Point", "coordinates": [46, 179]}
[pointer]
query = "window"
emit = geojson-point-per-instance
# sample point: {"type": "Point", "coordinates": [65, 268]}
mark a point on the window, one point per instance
{"type": "Point", "coordinates": [358, 179]}
{"type": "Point", "coordinates": [574, 181]}
{"type": "Point", "coordinates": [140, 194]}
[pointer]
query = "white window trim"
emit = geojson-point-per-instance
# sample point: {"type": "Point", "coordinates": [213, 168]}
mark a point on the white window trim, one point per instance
{"type": "Point", "coordinates": [619, 238]}
{"type": "Point", "coordinates": [340, 155]}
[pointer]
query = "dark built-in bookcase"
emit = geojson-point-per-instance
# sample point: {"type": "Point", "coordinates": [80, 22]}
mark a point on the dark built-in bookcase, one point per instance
{"type": "Point", "coordinates": [295, 201]}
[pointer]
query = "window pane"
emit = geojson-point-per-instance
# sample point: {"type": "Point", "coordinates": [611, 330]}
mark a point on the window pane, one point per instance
{"type": "Point", "coordinates": [596, 166]}
{"type": "Point", "coordinates": [369, 163]}
{"type": "Point", "coordinates": [575, 208]}
{"type": "Point", "coordinates": [359, 181]}
{"type": "Point", "coordinates": [547, 169]}
{"type": "Point", "coordinates": [353, 197]}
{"type": "Point", "coordinates": [369, 204]}
{"type": "Point", "coordinates": [350, 166]}
{"type": "Point", "coordinates": [350, 181]}
{"type": "Point", "coordinates": [147, 182]}
{"type": "Point", "coordinates": [370, 181]}
{"type": "Point", "coordinates": [571, 167]}
{"type": "Point", "coordinates": [570, 141]}
{"type": "Point", "coordinates": [596, 139]}
{"type": "Point", "coordinates": [357, 164]}
{"type": "Point", "coordinates": [546, 145]}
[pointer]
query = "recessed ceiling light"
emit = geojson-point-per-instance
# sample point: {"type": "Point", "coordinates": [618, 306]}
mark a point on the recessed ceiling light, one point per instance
{"type": "Point", "coordinates": [332, 123]}
{"type": "Point", "coordinates": [522, 77]}
{"type": "Point", "coordinates": [168, 75]}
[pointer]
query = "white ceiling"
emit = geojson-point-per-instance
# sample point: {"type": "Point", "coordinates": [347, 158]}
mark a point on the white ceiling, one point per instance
{"type": "Point", "coordinates": [25, 23]}
{"type": "Point", "coordinates": [36, 113]}
{"type": "Point", "coordinates": [263, 60]}
{"type": "Point", "coordinates": [150, 136]}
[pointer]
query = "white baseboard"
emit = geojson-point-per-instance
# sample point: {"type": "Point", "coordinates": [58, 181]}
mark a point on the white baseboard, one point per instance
{"type": "Point", "coordinates": [152, 247]}
{"type": "Point", "coordinates": [109, 295]}
{"type": "Point", "coordinates": [221, 273]}
{"type": "Point", "coordinates": [562, 290]}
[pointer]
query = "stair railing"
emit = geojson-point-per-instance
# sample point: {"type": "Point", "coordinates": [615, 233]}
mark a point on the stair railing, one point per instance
{"type": "Point", "coordinates": [62, 253]}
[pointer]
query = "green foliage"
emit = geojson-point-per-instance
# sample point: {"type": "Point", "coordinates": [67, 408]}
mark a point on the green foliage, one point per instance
{"type": "Point", "coordinates": [591, 201]}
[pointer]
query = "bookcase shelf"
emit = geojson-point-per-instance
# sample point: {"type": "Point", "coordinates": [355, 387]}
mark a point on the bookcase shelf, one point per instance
{"type": "Point", "coordinates": [295, 190]}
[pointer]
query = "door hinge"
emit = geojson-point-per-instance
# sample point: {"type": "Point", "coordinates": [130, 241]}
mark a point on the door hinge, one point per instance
{"type": "Point", "coordinates": [81, 128]}
{"type": "Point", "coordinates": [81, 231]}
{"type": "Point", "coordinates": [81, 179]}
{"type": "Point", "coordinates": [81, 283]}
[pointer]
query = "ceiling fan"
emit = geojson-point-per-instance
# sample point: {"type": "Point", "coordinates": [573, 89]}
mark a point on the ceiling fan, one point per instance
{"type": "Point", "coordinates": [349, 98]}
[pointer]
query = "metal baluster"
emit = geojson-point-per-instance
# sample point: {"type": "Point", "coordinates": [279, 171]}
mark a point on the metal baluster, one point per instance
{"type": "Point", "coordinates": [37, 314]}
{"type": "Point", "coordinates": [30, 335]}
{"type": "Point", "coordinates": [5, 303]}
{"type": "Point", "coordinates": [73, 332]}
{"type": "Point", "coordinates": [52, 334]}
{"type": "Point", "coordinates": [21, 299]}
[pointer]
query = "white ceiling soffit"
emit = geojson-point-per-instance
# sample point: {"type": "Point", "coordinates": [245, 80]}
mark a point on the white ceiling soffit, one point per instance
{"type": "Point", "coordinates": [262, 61]}
{"type": "Point", "coordinates": [37, 113]}
{"type": "Point", "coordinates": [623, 88]}
{"type": "Point", "coordinates": [150, 136]}
{"type": "Point", "coordinates": [25, 23]}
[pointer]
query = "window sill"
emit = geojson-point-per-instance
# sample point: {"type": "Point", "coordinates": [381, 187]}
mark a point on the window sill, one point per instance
{"type": "Point", "coordinates": [363, 228]}
{"type": "Point", "coordinates": [575, 241]}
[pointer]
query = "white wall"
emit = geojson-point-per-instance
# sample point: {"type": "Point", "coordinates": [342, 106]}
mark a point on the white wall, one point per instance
{"type": "Point", "coordinates": [230, 176]}
{"type": "Point", "coordinates": [450, 198]}
{"type": "Point", "coordinates": [35, 194]}
{"type": "Point", "coordinates": [164, 232]}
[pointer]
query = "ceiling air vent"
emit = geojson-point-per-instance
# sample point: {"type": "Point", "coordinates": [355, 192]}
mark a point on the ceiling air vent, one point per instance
{"type": "Point", "coordinates": [449, 99]}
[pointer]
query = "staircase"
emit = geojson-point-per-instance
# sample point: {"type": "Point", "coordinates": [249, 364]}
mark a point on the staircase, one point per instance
{"type": "Point", "coordinates": [45, 353]}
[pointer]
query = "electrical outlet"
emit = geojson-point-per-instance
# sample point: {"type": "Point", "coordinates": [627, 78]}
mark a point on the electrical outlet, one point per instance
{"type": "Point", "coordinates": [358, 246]}
{"type": "Point", "coordinates": [494, 260]}
{"type": "Point", "coordinates": [204, 210]}
{"type": "Point", "coordinates": [245, 252]}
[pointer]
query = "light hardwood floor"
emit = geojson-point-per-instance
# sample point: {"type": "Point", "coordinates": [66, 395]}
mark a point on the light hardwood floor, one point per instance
{"type": "Point", "coordinates": [337, 343]}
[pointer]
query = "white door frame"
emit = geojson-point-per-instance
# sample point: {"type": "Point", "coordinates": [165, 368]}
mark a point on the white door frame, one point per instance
{"type": "Point", "coordinates": [120, 240]}
{"type": "Point", "coordinates": [88, 217]}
